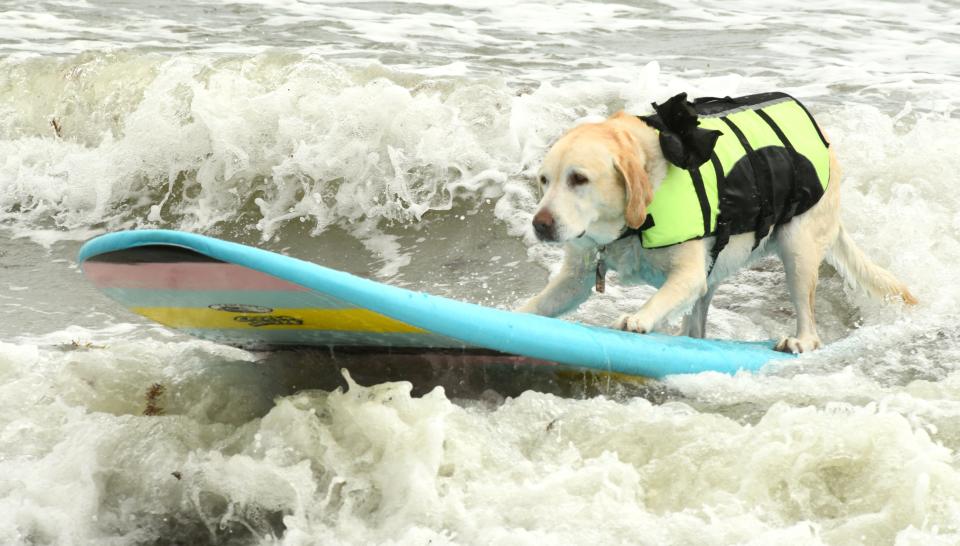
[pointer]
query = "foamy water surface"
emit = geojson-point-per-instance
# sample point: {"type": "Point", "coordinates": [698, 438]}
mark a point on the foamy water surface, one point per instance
{"type": "Point", "coordinates": [399, 141]}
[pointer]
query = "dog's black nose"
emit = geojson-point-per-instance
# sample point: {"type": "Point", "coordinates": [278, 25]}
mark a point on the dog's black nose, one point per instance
{"type": "Point", "coordinates": [544, 226]}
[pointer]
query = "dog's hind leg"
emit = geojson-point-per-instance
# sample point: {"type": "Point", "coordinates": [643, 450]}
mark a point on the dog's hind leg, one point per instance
{"type": "Point", "coordinates": [801, 257]}
{"type": "Point", "coordinates": [695, 323]}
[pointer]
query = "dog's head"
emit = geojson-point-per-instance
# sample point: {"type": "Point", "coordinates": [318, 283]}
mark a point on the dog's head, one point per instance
{"type": "Point", "coordinates": [597, 179]}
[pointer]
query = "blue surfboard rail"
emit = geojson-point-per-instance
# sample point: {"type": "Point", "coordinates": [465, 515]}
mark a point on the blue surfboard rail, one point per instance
{"type": "Point", "coordinates": [561, 341]}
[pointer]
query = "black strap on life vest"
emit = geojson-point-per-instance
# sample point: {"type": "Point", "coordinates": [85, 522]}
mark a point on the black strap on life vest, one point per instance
{"type": "Point", "coordinates": [776, 129]}
{"type": "Point", "coordinates": [786, 144]}
{"type": "Point", "coordinates": [722, 235]}
{"type": "Point", "coordinates": [762, 191]}
{"type": "Point", "coordinates": [701, 197]}
{"type": "Point", "coordinates": [814, 123]}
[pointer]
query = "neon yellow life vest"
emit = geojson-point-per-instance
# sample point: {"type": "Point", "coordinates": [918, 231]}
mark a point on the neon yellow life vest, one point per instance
{"type": "Point", "coordinates": [769, 164]}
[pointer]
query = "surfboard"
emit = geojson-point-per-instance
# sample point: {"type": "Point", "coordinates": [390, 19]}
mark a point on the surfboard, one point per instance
{"type": "Point", "coordinates": [252, 298]}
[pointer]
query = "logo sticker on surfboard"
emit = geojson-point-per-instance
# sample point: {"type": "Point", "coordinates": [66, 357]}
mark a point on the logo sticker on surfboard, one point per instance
{"type": "Point", "coordinates": [240, 308]}
{"type": "Point", "coordinates": [269, 320]}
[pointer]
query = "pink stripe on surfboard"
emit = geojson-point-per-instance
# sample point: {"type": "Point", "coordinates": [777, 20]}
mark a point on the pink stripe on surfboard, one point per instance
{"type": "Point", "coordinates": [184, 276]}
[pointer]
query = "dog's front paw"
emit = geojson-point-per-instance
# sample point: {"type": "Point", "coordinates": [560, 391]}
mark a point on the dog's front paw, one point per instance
{"type": "Point", "coordinates": [797, 345]}
{"type": "Point", "coordinates": [526, 308]}
{"type": "Point", "coordinates": [633, 323]}
{"type": "Point", "coordinates": [531, 306]}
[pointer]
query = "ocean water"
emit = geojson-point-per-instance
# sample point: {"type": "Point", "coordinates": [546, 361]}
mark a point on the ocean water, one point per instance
{"type": "Point", "coordinates": [399, 141]}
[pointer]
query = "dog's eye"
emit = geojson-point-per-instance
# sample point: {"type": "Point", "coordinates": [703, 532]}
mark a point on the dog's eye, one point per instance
{"type": "Point", "coordinates": [578, 179]}
{"type": "Point", "coordinates": [543, 180]}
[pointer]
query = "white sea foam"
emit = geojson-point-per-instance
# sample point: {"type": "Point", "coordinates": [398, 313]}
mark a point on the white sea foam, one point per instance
{"type": "Point", "coordinates": [377, 465]}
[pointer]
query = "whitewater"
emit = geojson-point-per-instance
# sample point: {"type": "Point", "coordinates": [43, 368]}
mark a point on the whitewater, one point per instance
{"type": "Point", "coordinates": [400, 141]}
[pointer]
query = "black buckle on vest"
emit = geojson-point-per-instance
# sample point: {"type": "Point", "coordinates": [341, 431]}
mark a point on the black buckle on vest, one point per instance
{"type": "Point", "coordinates": [636, 232]}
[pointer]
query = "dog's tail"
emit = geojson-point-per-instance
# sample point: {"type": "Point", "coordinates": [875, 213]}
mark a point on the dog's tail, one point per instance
{"type": "Point", "coordinates": [857, 269]}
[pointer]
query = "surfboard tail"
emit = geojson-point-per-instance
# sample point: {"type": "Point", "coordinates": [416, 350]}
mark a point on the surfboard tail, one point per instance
{"type": "Point", "coordinates": [858, 270]}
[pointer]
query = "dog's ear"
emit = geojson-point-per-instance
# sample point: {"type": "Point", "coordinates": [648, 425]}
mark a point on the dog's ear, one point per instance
{"type": "Point", "coordinates": [627, 160]}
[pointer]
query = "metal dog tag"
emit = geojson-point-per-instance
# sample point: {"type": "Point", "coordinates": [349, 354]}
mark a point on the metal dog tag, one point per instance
{"type": "Point", "coordinates": [601, 276]}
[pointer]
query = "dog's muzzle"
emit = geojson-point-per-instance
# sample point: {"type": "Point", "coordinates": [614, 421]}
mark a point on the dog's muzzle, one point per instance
{"type": "Point", "coordinates": [544, 226]}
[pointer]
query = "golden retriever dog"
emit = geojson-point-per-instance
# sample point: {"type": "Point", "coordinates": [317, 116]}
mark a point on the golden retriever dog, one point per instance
{"type": "Point", "coordinates": [598, 181]}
